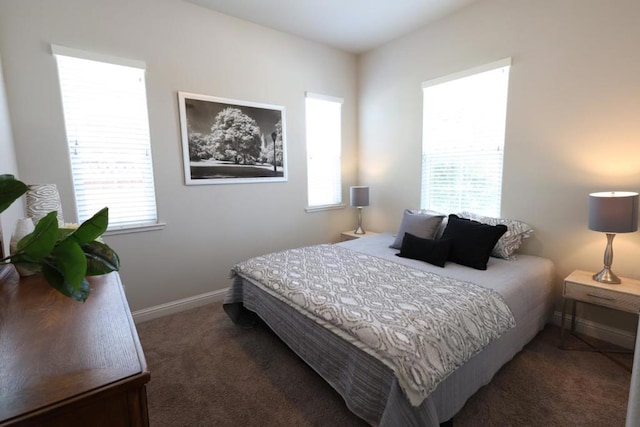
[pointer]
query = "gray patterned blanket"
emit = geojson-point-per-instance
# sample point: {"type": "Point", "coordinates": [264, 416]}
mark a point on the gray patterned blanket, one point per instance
{"type": "Point", "coordinates": [421, 325]}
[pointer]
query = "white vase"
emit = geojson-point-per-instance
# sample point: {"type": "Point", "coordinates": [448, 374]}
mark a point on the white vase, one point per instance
{"type": "Point", "coordinates": [42, 199]}
{"type": "Point", "coordinates": [23, 227]}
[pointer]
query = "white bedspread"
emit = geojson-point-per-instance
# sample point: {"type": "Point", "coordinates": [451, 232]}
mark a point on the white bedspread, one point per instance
{"type": "Point", "coordinates": [422, 325]}
{"type": "Point", "coordinates": [369, 387]}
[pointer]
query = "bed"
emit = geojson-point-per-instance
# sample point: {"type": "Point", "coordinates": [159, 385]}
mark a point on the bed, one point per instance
{"type": "Point", "coordinates": [370, 386]}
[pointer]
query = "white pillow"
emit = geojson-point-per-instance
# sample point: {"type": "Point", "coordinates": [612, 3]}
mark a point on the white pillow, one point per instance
{"type": "Point", "coordinates": [511, 240]}
{"type": "Point", "coordinates": [420, 223]}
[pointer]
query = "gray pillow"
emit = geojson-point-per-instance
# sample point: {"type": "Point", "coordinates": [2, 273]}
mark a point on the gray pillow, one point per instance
{"type": "Point", "coordinates": [423, 224]}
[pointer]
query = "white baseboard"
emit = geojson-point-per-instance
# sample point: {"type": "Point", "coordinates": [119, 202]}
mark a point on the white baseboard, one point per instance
{"type": "Point", "coordinates": [177, 306]}
{"type": "Point", "coordinates": [597, 330]}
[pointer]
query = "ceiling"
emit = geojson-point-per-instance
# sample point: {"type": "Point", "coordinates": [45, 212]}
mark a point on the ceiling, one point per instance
{"type": "Point", "coordinates": [351, 25]}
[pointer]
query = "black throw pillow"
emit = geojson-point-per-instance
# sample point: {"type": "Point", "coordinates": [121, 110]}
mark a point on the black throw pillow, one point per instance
{"type": "Point", "coordinates": [434, 252]}
{"type": "Point", "coordinates": [472, 241]}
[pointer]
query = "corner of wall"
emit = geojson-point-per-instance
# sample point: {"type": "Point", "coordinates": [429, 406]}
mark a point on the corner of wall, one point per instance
{"type": "Point", "coordinates": [8, 165]}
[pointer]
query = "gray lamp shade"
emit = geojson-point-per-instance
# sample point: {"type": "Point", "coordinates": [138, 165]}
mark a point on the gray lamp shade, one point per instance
{"type": "Point", "coordinates": [359, 195]}
{"type": "Point", "coordinates": [613, 212]}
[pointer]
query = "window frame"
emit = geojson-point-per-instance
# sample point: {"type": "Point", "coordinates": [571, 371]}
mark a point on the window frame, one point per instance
{"type": "Point", "coordinates": [147, 187]}
{"type": "Point", "coordinates": [339, 204]}
{"type": "Point", "coordinates": [495, 65]}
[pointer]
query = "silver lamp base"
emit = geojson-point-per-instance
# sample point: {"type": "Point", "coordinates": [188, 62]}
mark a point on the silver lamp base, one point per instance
{"type": "Point", "coordinates": [606, 276]}
{"type": "Point", "coordinates": [359, 230]}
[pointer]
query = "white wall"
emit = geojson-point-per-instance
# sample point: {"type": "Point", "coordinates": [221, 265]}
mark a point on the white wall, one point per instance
{"type": "Point", "coordinates": [8, 165]}
{"type": "Point", "coordinates": [573, 122]}
{"type": "Point", "coordinates": [186, 48]}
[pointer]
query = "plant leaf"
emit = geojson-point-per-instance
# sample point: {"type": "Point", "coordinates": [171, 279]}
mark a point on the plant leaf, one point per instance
{"type": "Point", "coordinates": [92, 228]}
{"type": "Point", "coordinates": [10, 190]}
{"type": "Point", "coordinates": [20, 260]}
{"type": "Point", "coordinates": [101, 259]}
{"type": "Point", "coordinates": [37, 245]}
{"type": "Point", "coordinates": [83, 292]}
{"type": "Point", "coordinates": [70, 261]}
{"type": "Point", "coordinates": [54, 277]}
{"type": "Point", "coordinates": [63, 233]}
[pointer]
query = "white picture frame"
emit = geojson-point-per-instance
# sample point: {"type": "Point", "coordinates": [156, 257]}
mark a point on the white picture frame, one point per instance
{"type": "Point", "coordinates": [226, 141]}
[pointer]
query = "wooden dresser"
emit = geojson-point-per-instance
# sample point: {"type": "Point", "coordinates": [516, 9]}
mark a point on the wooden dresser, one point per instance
{"type": "Point", "coordinates": [66, 363]}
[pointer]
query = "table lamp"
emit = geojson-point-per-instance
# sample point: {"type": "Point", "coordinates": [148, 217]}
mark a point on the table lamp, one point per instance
{"type": "Point", "coordinates": [359, 196]}
{"type": "Point", "coordinates": [612, 212]}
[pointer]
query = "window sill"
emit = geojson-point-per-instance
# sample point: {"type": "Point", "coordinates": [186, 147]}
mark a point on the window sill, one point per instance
{"type": "Point", "coordinates": [311, 209]}
{"type": "Point", "coordinates": [135, 229]}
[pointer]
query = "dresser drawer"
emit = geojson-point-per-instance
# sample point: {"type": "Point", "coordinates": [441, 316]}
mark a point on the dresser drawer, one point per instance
{"type": "Point", "coordinates": [601, 296]}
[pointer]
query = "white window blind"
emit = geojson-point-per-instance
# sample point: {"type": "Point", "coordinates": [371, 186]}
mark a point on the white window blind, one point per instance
{"type": "Point", "coordinates": [324, 150]}
{"type": "Point", "coordinates": [105, 111]}
{"type": "Point", "coordinates": [463, 140]}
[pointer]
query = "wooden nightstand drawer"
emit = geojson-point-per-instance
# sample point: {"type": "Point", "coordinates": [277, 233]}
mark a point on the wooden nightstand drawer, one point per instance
{"type": "Point", "coordinates": [604, 297]}
{"type": "Point", "coordinates": [579, 286]}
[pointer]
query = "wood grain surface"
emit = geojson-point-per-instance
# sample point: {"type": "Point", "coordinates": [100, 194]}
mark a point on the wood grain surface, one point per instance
{"type": "Point", "coordinates": [63, 360]}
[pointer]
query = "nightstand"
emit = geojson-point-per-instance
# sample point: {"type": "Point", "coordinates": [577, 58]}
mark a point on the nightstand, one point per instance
{"type": "Point", "coordinates": [350, 235]}
{"type": "Point", "coordinates": [579, 286]}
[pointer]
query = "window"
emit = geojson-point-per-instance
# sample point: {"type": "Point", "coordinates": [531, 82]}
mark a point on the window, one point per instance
{"type": "Point", "coordinates": [464, 118]}
{"type": "Point", "coordinates": [324, 147]}
{"type": "Point", "coordinates": [105, 113]}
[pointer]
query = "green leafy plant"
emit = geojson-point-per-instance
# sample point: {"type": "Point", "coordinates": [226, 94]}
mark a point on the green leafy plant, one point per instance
{"type": "Point", "coordinates": [65, 257]}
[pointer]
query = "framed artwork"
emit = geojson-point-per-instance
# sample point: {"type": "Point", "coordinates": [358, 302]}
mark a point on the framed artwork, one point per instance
{"type": "Point", "coordinates": [225, 141]}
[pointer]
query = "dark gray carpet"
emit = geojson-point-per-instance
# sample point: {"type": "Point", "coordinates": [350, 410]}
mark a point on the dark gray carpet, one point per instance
{"type": "Point", "coordinates": [206, 371]}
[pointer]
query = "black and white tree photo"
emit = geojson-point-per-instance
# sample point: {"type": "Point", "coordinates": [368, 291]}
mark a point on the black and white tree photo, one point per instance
{"type": "Point", "coordinates": [226, 141]}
